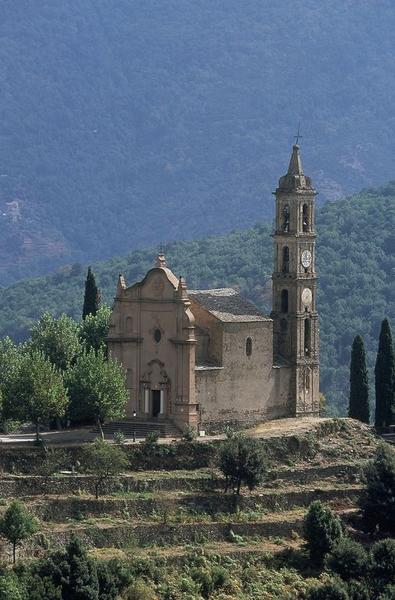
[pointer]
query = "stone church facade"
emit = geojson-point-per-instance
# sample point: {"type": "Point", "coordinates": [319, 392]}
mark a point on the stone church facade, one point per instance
{"type": "Point", "coordinates": [209, 357]}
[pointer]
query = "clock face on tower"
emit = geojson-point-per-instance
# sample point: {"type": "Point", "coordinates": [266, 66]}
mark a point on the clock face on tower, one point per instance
{"type": "Point", "coordinates": [306, 258]}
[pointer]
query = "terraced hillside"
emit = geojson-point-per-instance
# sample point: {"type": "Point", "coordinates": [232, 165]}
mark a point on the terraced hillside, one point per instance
{"type": "Point", "coordinates": [151, 513]}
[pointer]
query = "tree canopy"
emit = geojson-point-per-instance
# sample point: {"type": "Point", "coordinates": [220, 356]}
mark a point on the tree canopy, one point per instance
{"type": "Point", "coordinates": [96, 387]}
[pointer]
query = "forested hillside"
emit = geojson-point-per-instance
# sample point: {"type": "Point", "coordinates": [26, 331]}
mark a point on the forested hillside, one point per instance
{"type": "Point", "coordinates": [130, 122]}
{"type": "Point", "coordinates": [356, 261]}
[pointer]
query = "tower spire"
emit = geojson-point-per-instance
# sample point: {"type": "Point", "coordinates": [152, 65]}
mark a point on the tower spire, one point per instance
{"type": "Point", "coordinates": [295, 180]}
{"type": "Point", "coordinates": [295, 164]}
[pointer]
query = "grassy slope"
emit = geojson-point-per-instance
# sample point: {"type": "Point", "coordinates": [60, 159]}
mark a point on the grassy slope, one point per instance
{"type": "Point", "coordinates": [356, 267]}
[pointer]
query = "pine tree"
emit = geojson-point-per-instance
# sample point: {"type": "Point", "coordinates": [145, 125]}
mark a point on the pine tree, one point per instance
{"type": "Point", "coordinates": [92, 295]}
{"type": "Point", "coordinates": [385, 378]}
{"type": "Point", "coordinates": [359, 384]}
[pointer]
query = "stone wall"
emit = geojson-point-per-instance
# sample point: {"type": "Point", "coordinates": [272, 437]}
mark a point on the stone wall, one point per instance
{"type": "Point", "coordinates": [246, 389]}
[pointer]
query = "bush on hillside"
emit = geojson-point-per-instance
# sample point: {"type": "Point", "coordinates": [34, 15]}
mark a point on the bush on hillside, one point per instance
{"type": "Point", "coordinates": [322, 531]}
{"type": "Point", "coordinates": [348, 559]}
{"type": "Point", "coordinates": [334, 590]}
{"type": "Point", "coordinates": [383, 562]}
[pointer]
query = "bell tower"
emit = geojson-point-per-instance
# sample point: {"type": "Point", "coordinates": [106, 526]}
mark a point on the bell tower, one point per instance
{"type": "Point", "coordinates": [296, 332]}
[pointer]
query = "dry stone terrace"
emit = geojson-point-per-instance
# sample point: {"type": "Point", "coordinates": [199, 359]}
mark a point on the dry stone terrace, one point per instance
{"type": "Point", "coordinates": [147, 511]}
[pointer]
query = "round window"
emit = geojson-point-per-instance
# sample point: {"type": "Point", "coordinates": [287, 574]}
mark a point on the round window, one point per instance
{"type": "Point", "coordinates": [249, 346]}
{"type": "Point", "coordinates": [157, 335]}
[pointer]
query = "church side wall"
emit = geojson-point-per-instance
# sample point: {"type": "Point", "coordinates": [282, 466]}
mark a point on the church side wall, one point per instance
{"type": "Point", "coordinates": [246, 389]}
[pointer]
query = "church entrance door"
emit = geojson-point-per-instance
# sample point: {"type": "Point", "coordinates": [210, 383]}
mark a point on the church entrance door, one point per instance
{"type": "Point", "coordinates": [155, 403]}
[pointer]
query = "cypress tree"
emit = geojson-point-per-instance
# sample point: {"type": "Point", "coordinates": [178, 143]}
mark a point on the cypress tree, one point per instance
{"type": "Point", "coordinates": [359, 384]}
{"type": "Point", "coordinates": [91, 297]}
{"type": "Point", "coordinates": [385, 378]}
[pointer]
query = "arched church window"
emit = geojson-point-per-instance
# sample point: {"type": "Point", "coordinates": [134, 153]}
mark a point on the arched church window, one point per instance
{"type": "Point", "coordinates": [157, 335]}
{"type": "Point", "coordinates": [286, 219]}
{"type": "Point", "coordinates": [285, 266]}
{"type": "Point", "coordinates": [248, 346]}
{"type": "Point", "coordinates": [307, 336]}
{"type": "Point", "coordinates": [305, 218]}
{"type": "Point", "coordinates": [284, 301]}
{"type": "Point", "coordinates": [283, 325]}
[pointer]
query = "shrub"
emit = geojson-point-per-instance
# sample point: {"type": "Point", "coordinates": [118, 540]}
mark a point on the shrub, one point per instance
{"type": "Point", "coordinates": [9, 589]}
{"type": "Point", "coordinates": [388, 593]}
{"type": "Point", "coordinates": [139, 591]}
{"type": "Point", "coordinates": [189, 433]}
{"type": "Point", "coordinates": [329, 591]}
{"type": "Point", "coordinates": [378, 502]}
{"type": "Point", "coordinates": [383, 562]}
{"type": "Point", "coordinates": [348, 559]}
{"type": "Point", "coordinates": [322, 530]}
{"type": "Point", "coordinates": [358, 590]}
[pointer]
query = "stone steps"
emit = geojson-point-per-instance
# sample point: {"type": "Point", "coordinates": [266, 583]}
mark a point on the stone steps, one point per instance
{"type": "Point", "coordinates": [140, 429]}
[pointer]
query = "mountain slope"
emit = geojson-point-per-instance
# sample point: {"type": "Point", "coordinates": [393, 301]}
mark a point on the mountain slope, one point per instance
{"type": "Point", "coordinates": [125, 124]}
{"type": "Point", "coordinates": [356, 262]}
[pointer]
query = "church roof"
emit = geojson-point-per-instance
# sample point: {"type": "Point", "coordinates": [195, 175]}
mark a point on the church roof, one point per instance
{"type": "Point", "coordinates": [227, 305]}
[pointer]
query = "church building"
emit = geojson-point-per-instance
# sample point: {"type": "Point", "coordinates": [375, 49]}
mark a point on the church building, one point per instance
{"type": "Point", "coordinates": [210, 358]}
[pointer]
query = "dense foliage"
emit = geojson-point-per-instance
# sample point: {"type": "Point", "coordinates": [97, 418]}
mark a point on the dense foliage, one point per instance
{"type": "Point", "coordinates": [133, 123]}
{"type": "Point", "coordinates": [96, 388]}
{"type": "Point", "coordinates": [359, 383]}
{"type": "Point", "coordinates": [61, 372]}
{"type": "Point", "coordinates": [355, 289]}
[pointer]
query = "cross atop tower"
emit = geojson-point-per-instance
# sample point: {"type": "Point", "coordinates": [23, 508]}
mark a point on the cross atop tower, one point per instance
{"type": "Point", "coordinates": [298, 136]}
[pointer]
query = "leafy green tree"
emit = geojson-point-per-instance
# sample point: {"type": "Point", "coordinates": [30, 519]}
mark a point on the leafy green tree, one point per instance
{"type": "Point", "coordinates": [103, 460]}
{"type": "Point", "coordinates": [39, 392]}
{"type": "Point", "coordinates": [9, 588]}
{"type": "Point", "coordinates": [94, 329]}
{"type": "Point", "coordinates": [383, 562]}
{"type": "Point", "coordinates": [17, 524]}
{"type": "Point", "coordinates": [348, 559]}
{"type": "Point", "coordinates": [58, 339]}
{"type": "Point", "coordinates": [359, 383]}
{"type": "Point", "coordinates": [242, 460]}
{"type": "Point", "coordinates": [96, 388]}
{"type": "Point", "coordinates": [378, 501]}
{"type": "Point", "coordinates": [385, 378]}
{"type": "Point", "coordinates": [91, 297]}
{"type": "Point", "coordinates": [322, 531]}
